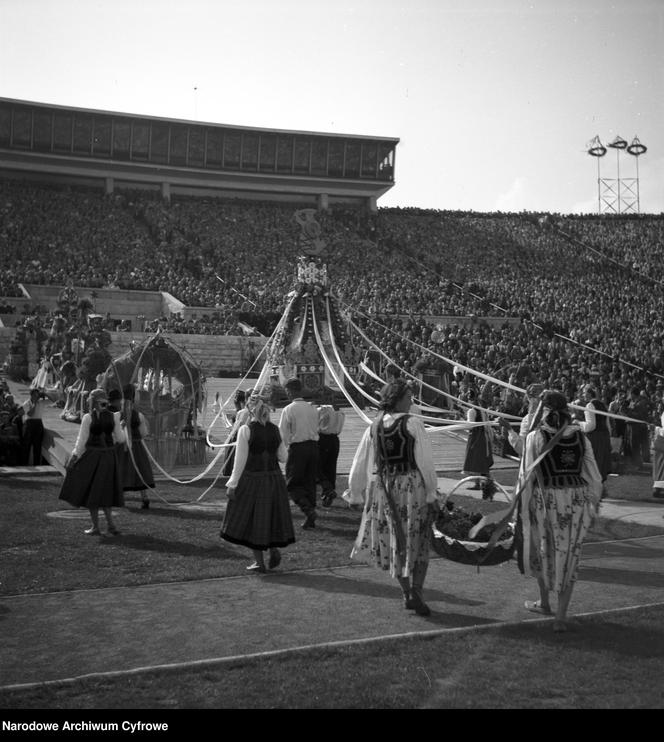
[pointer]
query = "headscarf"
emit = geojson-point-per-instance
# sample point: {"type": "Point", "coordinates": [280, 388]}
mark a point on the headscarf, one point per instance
{"type": "Point", "coordinates": [558, 415]}
{"type": "Point", "coordinates": [392, 392]}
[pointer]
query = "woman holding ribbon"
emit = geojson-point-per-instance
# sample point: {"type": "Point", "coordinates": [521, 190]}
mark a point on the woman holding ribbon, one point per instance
{"type": "Point", "coordinates": [560, 487]}
{"type": "Point", "coordinates": [394, 476]}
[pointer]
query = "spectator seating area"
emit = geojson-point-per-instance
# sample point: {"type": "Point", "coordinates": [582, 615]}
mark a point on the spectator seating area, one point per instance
{"type": "Point", "coordinates": [585, 288]}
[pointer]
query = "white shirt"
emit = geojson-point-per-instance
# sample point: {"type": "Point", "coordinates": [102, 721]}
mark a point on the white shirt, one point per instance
{"type": "Point", "coordinates": [33, 410]}
{"type": "Point", "coordinates": [330, 421]}
{"type": "Point", "coordinates": [298, 422]}
{"type": "Point", "coordinates": [589, 423]}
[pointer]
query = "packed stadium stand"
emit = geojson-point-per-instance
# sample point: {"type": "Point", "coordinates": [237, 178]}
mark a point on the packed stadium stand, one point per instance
{"type": "Point", "coordinates": [563, 299]}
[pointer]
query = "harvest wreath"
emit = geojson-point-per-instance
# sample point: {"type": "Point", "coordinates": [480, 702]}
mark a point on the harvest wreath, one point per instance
{"type": "Point", "coordinates": [451, 537]}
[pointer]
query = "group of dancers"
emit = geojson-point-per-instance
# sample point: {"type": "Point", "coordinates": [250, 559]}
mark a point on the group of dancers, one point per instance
{"type": "Point", "coordinates": [393, 478]}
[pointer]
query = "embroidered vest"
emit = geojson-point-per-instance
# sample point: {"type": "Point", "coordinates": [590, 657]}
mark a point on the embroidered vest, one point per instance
{"type": "Point", "coordinates": [399, 446]}
{"type": "Point", "coordinates": [562, 466]}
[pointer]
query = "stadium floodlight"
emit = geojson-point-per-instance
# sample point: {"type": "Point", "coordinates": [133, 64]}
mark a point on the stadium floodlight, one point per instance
{"type": "Point", "coordinates": [636, 148]}
{"type": "Point", "coordinates": [618, 143]}
{"type": "Point", "coordinates": [617, 195]}
{"type": "Point", "coordinates": [596, 148]}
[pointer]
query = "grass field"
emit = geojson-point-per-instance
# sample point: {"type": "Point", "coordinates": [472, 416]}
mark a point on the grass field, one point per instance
{"type": "Point", "coordinates": [610, 661]}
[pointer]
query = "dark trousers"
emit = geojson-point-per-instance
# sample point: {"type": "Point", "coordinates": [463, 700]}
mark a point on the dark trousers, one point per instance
{"type": "Point", "coordinates": [33, 437]}
{"type": "Point", "coordinates": [328, 453]}
{"type": "Point", "coordinates": [302, 474]}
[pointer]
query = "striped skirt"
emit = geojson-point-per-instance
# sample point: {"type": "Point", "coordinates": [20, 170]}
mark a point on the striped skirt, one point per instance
{"type": "Point", "coordinates": [259, 516]}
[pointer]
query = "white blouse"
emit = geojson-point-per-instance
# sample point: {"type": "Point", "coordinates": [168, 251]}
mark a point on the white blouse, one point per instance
{"type": "Point", "coordinates": [242, 454]}
{"type": "Point", "coordinates": [363, 466]}
{"type": "Point", "coordinates": [119, 435]}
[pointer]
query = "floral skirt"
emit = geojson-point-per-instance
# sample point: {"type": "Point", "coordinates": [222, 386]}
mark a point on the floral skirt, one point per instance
{"type": "Point", "coordinates": [559, 521]}
{"type": "Point", "coordinates": [376, 542]}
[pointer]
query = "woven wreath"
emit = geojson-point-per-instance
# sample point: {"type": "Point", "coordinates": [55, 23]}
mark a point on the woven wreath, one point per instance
{"type": "Point", "coordinates": [451, 539]}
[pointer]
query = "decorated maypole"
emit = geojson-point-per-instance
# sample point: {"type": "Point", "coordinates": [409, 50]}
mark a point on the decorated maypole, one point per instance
{"type": "Point", "coordinates": [311, 317]}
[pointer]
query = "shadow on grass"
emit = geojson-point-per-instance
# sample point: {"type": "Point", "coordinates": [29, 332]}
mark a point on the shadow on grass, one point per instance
{"type": "Point", "coordinates": [172, 510]}
{"type": "Point", "coordinates": [168, 546]}
{"type": "Point", "coordinates": [631, 638]}
{"type": "Point", "coordinates": [614, 576]}
{"type": "Point", "coordinates": [651, 549]}
{"type": "Point", "coordinates": [352, 585]}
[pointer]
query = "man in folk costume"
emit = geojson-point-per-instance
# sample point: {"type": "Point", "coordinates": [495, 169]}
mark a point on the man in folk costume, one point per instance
{"type": "Point", "coordinates": [331, 423]}
{"type": "Point", "coordinates": [298, 426]}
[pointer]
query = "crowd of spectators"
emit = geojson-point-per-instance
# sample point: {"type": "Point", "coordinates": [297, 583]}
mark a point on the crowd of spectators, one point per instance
{"type": "Point", "coordinates": [584, 289]}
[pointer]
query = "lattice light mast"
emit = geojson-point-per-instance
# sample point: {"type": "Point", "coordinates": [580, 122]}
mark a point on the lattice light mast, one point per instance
{"type": "Point", "coordinates": [597, 150]}
{"type": "Point", "coordinates": [636, 149]}
{"type": "Point", "coordinates": [617, 195]}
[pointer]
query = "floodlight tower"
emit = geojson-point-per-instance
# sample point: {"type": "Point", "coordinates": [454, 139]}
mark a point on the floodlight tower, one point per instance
{"type": "Point", "coordinates": [597, 150]}
{"type": "Point", "coordinates": [636, 149]}
{"type": "Point", "coordinates": [617, 195]}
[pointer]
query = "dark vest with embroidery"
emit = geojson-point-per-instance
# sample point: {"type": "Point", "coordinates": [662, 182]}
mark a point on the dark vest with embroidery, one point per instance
{"type": "Point", "coordinates": [399, 447]}
{"type": "Point", "coordinates": [562, 466]}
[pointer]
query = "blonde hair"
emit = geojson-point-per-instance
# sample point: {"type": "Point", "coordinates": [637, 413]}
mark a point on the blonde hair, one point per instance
{"type": "Point", "coordinates": [258, 408]}
{"type": "Point", "coordinates": [96, 396]}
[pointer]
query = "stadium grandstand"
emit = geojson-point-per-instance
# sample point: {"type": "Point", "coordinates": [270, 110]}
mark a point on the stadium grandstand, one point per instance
{"type": "Point", "coordinates": [189, 227]}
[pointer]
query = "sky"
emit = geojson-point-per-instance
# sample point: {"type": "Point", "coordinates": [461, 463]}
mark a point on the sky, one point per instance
{"type": "Point", "coordinates": [494, 101]}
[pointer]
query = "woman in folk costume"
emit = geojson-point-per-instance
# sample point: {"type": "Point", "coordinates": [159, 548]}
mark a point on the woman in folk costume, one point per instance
{"type": "Point", "coordinates": [258, 513]}
{"type": "Point", "coordinates": [394, 475]}
{"type": "Point", "coordinates": [93, 477]}
{"type": "Point", "coordinates": [658, 459]}
{"type": "Point", "coordinates": [479, 448]}
{"type": "Point", "coordinates": [596, 427]}
{"type": "Point", "coordinates": [136, 468]}
{"type": "Point", "coordinates": [560, 488]}
{"type": "Point", "coordinates": [240, 417]}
